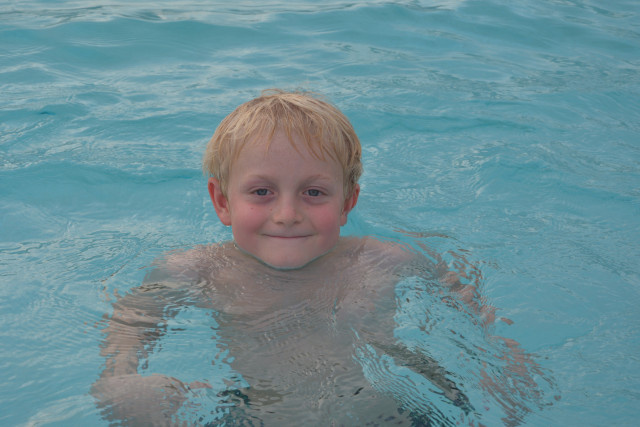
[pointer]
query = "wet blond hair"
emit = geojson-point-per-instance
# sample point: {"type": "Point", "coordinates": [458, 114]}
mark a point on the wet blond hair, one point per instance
{"type": "Point", "coordinates": [321, 126]}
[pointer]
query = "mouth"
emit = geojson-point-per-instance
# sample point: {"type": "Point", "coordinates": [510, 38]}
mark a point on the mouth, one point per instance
{"type": "Point", "coordinates": [286, 237]}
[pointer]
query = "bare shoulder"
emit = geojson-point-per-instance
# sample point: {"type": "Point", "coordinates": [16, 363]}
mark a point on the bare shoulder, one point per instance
{"type": "Point", "coordinates": [191, 264]}
{"type": "Point", "coordinates": [375, 252]}
{"type": "Point", "coordinates": [395, 251]}
{"type": "Point", "coordinates": [179, 260]}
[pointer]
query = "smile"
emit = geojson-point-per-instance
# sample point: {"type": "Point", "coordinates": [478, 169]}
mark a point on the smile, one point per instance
{"type": "Point", "coordinates": [286, 237]}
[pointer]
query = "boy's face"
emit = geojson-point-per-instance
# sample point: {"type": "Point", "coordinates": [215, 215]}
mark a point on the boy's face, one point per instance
{"type": "Point", "coordinates": [285, 207]}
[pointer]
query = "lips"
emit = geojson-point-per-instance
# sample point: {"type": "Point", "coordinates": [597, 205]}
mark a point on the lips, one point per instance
{"type": "Point", "coordinates": [286, 237]}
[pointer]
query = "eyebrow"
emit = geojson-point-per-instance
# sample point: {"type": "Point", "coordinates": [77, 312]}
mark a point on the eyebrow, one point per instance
{"type": "Point", "coordinates": [321, 178]}
{"type": "Point", "coordinates": [324, 177]}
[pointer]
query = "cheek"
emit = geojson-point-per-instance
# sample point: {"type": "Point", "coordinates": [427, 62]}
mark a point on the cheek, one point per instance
{"type": "Point", "coordinates": [329, 220]}
{"type": "Point", "coordinates": [247, 218]}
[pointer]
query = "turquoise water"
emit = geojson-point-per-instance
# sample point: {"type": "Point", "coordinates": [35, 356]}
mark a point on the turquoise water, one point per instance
{"type": "Point", "coordinates": [506, 131]}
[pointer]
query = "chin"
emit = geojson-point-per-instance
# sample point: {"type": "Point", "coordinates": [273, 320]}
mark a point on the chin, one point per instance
{"type": "Point", "coordinates": [287, 265]}
{"type": "Point", "coordinates": [284, 263]}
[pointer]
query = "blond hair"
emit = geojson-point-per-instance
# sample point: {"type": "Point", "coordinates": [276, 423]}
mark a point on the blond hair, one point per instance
{"type": "Point", "coordinates": [322, 127]}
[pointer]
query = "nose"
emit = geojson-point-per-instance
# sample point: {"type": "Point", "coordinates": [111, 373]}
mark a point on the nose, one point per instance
{"type": "Point", "coordinates": [286, 211]}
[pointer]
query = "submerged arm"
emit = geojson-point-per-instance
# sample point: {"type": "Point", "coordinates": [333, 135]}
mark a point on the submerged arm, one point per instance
{"type": "Point", "coordinates": [430, 369]}
{"type": "Point", "coordinates": [513, 385]}
{"type": "Point", "coordinates": [138, 321]}
{"type": "Point", "coordinates": [462, 281]}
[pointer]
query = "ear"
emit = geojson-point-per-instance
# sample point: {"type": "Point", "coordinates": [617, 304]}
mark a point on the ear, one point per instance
{"type": "Point", "coordinates": [349, 204]}
{"type": "Point", "coordinates": [220, 202]}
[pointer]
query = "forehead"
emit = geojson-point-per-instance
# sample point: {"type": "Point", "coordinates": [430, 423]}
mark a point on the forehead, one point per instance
{"type": "Point", "coordinates": [280, 143]}
{"type": "Point", "coordinates": [285, 153]}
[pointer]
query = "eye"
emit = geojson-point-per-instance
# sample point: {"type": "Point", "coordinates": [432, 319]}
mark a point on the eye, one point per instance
{"type": "Point", "coordinates": [313, 192]}
{"type": "Point", "coordinates": [261, 192]}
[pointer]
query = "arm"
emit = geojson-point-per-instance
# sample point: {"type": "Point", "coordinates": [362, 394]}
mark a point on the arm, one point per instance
{"type": "Point", "coordinates": [394, 262]}
{"type": "Point", "coordinates": [429, 368]}
{"type": "Point", "coordinates": [138, 321]}
{"type": "Point", "coordinates": [462, 281]}
{"type": "Point", "coordinates": [504, 371]}
{"type": "Point", "coordinates": [513, 385]}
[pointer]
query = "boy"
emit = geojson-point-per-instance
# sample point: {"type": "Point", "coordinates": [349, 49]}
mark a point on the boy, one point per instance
{"type": "Point", "coordinates": [305, 315]}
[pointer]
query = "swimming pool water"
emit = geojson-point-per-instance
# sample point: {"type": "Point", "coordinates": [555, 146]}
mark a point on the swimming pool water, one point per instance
{"type": "Point", "coordinates": [507, 131]}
